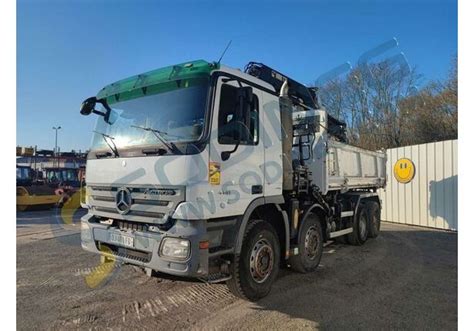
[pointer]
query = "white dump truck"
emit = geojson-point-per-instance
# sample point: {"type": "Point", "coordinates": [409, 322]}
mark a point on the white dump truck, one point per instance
{"type": "Point", "coordinates": [199, 170]}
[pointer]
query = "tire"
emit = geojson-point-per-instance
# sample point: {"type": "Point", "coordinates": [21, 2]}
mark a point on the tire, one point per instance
{"type": "Point", "coordinates": [249, 281]}
{"type": "Point", "coordinates": [360, 230]}
{"type": "Point", "coordinates": [373, 210]}
{"type": "Point", "coordinates": [310, 246]}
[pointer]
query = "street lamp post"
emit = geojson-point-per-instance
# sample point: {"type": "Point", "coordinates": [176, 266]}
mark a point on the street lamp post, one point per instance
{"type": "Point", "coordinates": [56, 144]}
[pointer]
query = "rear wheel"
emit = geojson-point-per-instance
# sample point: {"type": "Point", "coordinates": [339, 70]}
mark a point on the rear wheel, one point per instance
{"type": "Point", "coordinates": [373, 210]}
{"type": "Point", "coordinates": [255, 269]}
{"type": "Point", "coordinates": [360, 228]}
{"type": "Point", "coordinates": [310, 246]}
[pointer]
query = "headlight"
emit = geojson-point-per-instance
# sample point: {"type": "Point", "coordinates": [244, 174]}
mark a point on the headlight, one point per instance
{"type": "Point", "coordinates": [175, 248]}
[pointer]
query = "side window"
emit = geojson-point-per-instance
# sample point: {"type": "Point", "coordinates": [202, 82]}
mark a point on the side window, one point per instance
{"type": "Point", "coordinates": [229, 124]}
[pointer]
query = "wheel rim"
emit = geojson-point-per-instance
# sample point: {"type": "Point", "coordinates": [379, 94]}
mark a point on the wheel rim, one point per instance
{"type": "Point", "coordinates": [311, 243]}
{"type": "Point", "coordinates": [362, 227]}
{"type": "Point", "coordinates": [261, 261]}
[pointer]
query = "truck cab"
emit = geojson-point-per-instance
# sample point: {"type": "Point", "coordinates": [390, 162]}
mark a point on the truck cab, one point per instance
{"type": "Point", "coordinates": [193, 172]}
{"type": "Point", "coordinates": [62, 176]}
{"type": "Point", "coordinates": [24, 175]}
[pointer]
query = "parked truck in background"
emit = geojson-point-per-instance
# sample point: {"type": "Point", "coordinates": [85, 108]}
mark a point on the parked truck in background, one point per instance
{"type": "Point", "coordinates": [199, 170]}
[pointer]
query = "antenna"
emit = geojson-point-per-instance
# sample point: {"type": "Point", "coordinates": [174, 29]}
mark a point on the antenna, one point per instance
{"type": "Point", "coordinates": [225, 50]}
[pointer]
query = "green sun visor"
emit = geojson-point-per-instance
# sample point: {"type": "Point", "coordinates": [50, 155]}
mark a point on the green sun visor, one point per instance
{"type": "Point", "coordinates": [157, 81]}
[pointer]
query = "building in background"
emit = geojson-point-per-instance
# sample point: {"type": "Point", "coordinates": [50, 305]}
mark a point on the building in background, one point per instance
{"type": "Point", "coordinates": [42, 159]}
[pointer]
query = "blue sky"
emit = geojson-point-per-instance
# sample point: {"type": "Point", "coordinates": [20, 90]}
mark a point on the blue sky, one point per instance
{"type": "Point", "coordinates": [68, 50]}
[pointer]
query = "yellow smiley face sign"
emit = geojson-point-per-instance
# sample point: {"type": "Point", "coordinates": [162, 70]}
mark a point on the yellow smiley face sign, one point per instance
{"type": "Point", "coordinates": [404, 170]}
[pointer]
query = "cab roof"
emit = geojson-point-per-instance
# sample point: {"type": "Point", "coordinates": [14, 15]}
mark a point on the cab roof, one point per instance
{"type": "Point", "coordinates": [138, 84]}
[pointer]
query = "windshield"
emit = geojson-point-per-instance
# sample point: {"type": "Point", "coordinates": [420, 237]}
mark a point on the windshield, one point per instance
{"type": "Point", "coordinates": [22, 173]}
{"type": "Point", "coordinates": [177, 115]}
{"type": "Point", "coordinates": [62, 175]}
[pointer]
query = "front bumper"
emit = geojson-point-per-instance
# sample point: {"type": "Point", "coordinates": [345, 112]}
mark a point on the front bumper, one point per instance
{"type": "Point", "coordinates": [95, 238]}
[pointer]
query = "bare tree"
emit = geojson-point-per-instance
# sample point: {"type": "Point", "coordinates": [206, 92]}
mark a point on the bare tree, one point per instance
{"type": "Point", "coordinates": [383, 108]}
{"type": "Point", "coordinates": [432, 114]}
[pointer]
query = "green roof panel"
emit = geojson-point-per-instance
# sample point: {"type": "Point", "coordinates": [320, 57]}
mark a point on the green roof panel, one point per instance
{"type": "Point", "coordinates": [139, 84]}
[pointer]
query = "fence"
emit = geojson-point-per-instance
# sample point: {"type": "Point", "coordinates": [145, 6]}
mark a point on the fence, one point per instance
{"type": "Point", "coordinates": [430, 198]}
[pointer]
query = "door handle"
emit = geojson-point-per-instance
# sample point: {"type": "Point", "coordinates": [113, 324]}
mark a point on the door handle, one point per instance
{"type": "Point", "coordinates": [257, 189]}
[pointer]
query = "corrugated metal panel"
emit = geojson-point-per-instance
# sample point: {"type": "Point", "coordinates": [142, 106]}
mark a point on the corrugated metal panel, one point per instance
{"type": "Point", "coordinates": [430, 199]}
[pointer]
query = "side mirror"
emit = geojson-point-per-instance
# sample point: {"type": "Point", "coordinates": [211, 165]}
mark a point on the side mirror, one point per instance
{"type": "Point", "coordinates": [225, 155]}
{"type": "Point", "coordinates": [88, 105]}
{"type": "Point", "coordinates": [111, 116]}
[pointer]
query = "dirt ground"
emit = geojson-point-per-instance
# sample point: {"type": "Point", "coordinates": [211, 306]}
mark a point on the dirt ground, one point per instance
{"type": "Point", "coordinates": [404, 279]}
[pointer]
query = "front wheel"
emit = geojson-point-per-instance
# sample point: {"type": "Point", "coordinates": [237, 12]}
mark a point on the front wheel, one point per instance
{"type": "Point", "coordinates": [255, 269]}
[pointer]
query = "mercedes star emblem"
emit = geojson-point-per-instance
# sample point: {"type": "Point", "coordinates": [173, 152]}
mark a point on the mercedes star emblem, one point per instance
{"type": "Point", "coordinates": [123, 200]}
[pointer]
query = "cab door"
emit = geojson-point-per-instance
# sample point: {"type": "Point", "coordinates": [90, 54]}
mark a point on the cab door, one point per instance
{"type": "Point", "coordinates": [237, 180]}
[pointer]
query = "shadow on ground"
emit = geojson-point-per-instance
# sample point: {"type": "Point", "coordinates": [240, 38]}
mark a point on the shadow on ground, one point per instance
{"type": "Point", "coordinates": [404, 280]}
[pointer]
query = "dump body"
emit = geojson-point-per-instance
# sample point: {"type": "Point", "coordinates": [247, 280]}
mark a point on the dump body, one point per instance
{"type": "Point", "coordinates": [334, 165]}
{"type": "Point", "coordinates": [352, 167]}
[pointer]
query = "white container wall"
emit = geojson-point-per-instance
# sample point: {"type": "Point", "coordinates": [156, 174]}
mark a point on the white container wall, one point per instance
{"type": "Point", "coordinates": [431, 198]}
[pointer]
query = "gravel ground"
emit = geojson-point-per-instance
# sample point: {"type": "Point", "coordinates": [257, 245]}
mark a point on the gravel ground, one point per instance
{"type": "Point", "coordinates": [404, 279]}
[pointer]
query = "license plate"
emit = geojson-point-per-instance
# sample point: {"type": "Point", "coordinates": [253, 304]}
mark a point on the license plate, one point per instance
{"type": "Point", "coordinates": [121, 240]}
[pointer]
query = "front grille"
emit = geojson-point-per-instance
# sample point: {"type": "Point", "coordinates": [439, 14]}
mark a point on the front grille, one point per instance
{"type": "Point", "coordinates": [103, 188]}
{"type": "Point", "coordinates": [100, 198]}
{"type": "Point", "coordinates": [105, 209]}
{"type": "Point", "coordinates": [123, 252]}
{"type": "Point", "coordinates": [150, 204]}
{"type": "Point", "coordinates": [137, 201]}
{"type": "Point", "coordinates": [131, 213]}
{"type": "Point", "coordinates": [146, 213]}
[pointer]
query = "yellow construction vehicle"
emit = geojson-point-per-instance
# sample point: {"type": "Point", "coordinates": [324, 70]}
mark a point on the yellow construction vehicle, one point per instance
{"type": "Point", "coordinates": [67, 184]}
{"type": "Point", "coordinates": [31, 194]}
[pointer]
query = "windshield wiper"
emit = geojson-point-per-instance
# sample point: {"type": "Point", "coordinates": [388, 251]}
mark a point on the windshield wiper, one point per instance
{"type": "Point", "coordinates": [158, 134]}
{"type": "Point", "coordinates": [112, 146]}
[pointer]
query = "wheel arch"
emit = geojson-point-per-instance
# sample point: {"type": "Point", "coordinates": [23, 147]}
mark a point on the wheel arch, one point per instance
{"type": "Point", "coordinates": [268, 209]}
{"type": "Point", "coordinates": [360, 197]}
{"type": "Point", "coordinates": [321, 213]}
